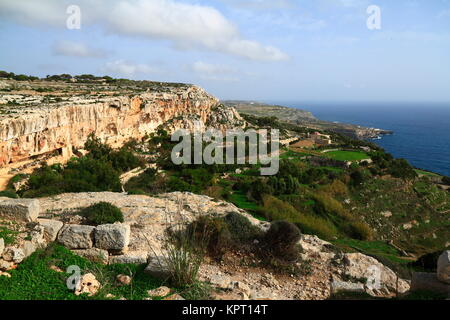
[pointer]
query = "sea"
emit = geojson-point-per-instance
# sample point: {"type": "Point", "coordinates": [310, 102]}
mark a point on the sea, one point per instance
{"type": "Point", "coordinates": [421, 130]}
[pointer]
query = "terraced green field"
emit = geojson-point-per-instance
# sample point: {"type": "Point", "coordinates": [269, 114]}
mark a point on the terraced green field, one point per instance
{"type": "Point", "coordinates": [347, 155]}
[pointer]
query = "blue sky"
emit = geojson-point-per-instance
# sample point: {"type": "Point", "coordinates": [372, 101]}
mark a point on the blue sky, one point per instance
{"type": "Point", "coordinates": [288, 50]}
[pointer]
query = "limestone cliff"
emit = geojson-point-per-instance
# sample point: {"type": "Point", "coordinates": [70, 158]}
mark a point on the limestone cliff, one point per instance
{"type": "Point", "coordinates": [33, 123]}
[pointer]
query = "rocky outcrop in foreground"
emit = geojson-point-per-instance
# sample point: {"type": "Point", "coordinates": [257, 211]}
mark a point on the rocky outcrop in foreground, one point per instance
{"type": "Point", "coordinates": [140, 239]}
{"type": "Point", "coordinates": [438, 282]}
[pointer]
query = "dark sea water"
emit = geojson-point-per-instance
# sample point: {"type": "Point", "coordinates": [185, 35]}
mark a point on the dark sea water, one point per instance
{"type": "Point", "coordinates": [422, 130]}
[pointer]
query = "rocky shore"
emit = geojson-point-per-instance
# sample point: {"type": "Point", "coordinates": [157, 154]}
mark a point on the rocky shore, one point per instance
{"type": "Point", "coordinates": [305, 118]}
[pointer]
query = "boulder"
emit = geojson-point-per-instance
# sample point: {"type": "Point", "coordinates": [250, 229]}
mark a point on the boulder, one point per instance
{"type": "Point", "coordinates": [159, 292]}
{"type": "Point", "coordinates": [425, 281]}
{"type": "Point", "coordinates": [77, 237]}
{"type": "Point", "coordinates": [158, 268]}
{"type": "Point", "coordinates": [124, 279]}
{"type": "Point", "coordinates": [5, 265]}
{"type": "Point", "coordinates": [220, 281]}
{"type": "Point", "coordinates": [2, 246]}
{"type": "Point", "coordinates": [24, 210]}
{"type": "Point", "coordinates": [175, 296]}
{"type": "Point", "coordinates": [443, 267]}
{"type": "Point", "coordinates": [29, 247]}
{"type": "Point", "coordinates": [88, 284]}
{"type": "Point", "coordinates": [51, 228]}
{"type": "Point", "coordinates": [93, 254]}
{"type": "Point", "coordinates": [312, 244]}
{"type": "Point", "coordinates": [112, 236]}
{"type": "Point", "coordinates": [135, 257]}
{"type": "Point", "coordinates": [380, 280]}
{"type": "Point", "coordinates": [343, 286]}
{"type": "Point", "coordinates": [37, 236]}
{"type": "Point", "coordinates": [15, 255]}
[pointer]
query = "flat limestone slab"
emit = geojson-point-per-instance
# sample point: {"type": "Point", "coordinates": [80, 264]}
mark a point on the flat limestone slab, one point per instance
{"type": "Point", "coordinates": [25, 210]}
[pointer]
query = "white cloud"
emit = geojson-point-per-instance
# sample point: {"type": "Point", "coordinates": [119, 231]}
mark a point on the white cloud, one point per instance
{"type": "Point", "coordinates": [127, 68]}
{"type": "Point", "coordinates": [46, 12]}
{"type": "Point", "coordinates": [218, 72]}
{"type": "Point", "coordinates": [76, 49]}
{"type": "Point", "coordinates": [187, 26]}
{"type": "Point", "coordinates": [261, 4]}
{"type": "Point", "coordinates": [207, 68]}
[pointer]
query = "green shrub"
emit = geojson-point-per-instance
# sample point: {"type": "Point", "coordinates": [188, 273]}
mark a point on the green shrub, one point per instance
{"type": "Point", "coordinates": [241, 229]}
{"type": "Point", "coordinates": [176, 184]}
{"type": "Point", "coordinates": [281, 239]}
{"type": "Point", "coordinates": [79, 175]}
{"type": "Point", "coordinates": [224, 233]}
{"type": "Point", "coordinates": [315, 225]}
{"type": "Point", "coordinates": [102, 213]}
{"type": "Point", "coordinates": [17, 178]}
{"type": "Point", "coordinates": [276, 209]}
{"type": "Point", "coordinates": [8, 194]}
{"type": "Point", "coordinates": [336, 188]}
{"type": "Point", "coordinates": [219, 236]}
{"type": "Point", "coordinates": [148, 182]}
{"type": "Point", "coordinates": [360, 230]}
{"type": "Point", "coordinates": [185, 251]}
{"type": "Point", "coordinates": [357, 178]}
{"type": "Point", "coordinates": [121, 160]}
{"type": "Point", "coordinates": [326, 205]}
{"type": "Point", "coordinates": [400, 168]}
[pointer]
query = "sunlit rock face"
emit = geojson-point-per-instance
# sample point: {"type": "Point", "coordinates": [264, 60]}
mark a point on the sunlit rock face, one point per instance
{"type": "Point", "coordinates": [31, 126]}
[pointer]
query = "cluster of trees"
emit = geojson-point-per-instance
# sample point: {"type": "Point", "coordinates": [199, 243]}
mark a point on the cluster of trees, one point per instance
{"type": "Point", "coordinates": [98, 171]}
{"type": "Point", "coordinates": [57, 77]}
{"type": "Point", "coordinates": [79, 78]}
{"type": "Point", "coordinates": [18, 77]}
{"type": "Point", "coordinates": [385, 163]}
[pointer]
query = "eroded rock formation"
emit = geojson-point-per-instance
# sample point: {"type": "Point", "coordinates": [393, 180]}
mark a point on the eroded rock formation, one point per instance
{"type": "Point", "coordinates": [33, 124]}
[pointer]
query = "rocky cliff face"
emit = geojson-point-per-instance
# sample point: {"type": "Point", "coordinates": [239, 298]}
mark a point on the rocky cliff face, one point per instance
{"type": "Point", "coordinates": [33, 123]}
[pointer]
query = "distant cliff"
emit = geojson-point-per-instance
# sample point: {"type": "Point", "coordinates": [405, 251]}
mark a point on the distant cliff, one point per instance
{"type": "Point", "coordinates": [39, 118]}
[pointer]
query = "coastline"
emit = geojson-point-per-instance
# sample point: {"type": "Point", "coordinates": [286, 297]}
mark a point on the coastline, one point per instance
{"type": "Point", "coordinates": [306, 118]}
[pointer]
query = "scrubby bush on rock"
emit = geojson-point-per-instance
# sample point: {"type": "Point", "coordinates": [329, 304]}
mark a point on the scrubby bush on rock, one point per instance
{"type": "Point", "coordinates": [241, 228]}
{"type": "Point", "coordinates": [102, 213]}
{"type": "Point", "coordinates": [281, 239]}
